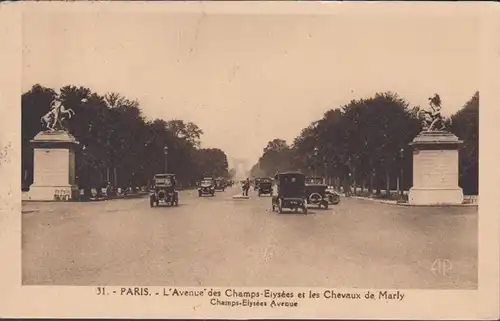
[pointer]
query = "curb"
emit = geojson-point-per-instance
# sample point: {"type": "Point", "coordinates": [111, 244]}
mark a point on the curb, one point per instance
{"type": "Point", "coordinates": [100, 199]}
{"type": "Point", "coordinates": [411, 205]}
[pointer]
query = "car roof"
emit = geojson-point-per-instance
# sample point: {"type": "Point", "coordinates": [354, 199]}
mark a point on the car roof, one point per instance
{"type": "Point", "coordinates": [164, 175]}
{"type": "Point", "coordinates": [291, 173]}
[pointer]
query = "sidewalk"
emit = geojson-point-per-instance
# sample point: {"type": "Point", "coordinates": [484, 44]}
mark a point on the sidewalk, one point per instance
{"type": "Point", "coordinates": [404, 203]}
{"type": "Point", "coordinates": [124, 196]}
{"type": "Point", "coordinates": [25, 198]}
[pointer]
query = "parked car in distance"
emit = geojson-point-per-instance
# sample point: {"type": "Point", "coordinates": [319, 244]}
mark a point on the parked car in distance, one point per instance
{"type": "Point", "coordinates": [333, 195]}
{"type": "Point", "coordinates": [206, 187]}
{"type": "Point", "coordinates": [220, 184]}
{"type": "Point", "coordinates": [265, 186]}
{"type": "Point", "coordinates": [256, 182]}
{"type": "Point", "coordinates": [316, 192]}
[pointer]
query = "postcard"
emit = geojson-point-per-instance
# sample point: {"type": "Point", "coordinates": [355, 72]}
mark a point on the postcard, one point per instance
{"type": "Point", "coordinates": [245, 160]}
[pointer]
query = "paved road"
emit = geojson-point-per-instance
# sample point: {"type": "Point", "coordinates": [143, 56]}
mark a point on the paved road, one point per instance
{"type": "Point", "coordinates": [224, 242]}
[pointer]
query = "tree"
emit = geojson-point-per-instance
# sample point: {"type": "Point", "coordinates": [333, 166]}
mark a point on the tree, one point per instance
{"type": "Point", "coordinates": [187, 131]}
{"type": "Point", "coordinates": [277, 157]}
{"type": "Point", "coordinates": [118, 143]}
{"type": "Point", "coordinates": [359, 142]}
{"type": "Point", "coordinates": [465, 125]}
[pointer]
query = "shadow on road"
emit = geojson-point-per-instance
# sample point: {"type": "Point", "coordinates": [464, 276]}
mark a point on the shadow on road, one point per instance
{"type": "Point", "coordinates": [299, 213]}
{"type": "Point", "coordinates": [168, 206]}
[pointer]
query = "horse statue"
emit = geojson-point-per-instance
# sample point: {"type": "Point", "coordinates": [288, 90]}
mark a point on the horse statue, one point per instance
{"type": "Point", "coordinates": [432, 119]}
{"type": "Point", "coordinates": [53, 119]}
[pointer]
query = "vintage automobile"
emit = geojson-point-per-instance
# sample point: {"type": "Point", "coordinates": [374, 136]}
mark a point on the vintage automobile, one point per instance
{"type": "Point", "coordinates": [333, 196]}
{"type": "Point", "coordinates": [256, 183]}
{"type": "Point", "coordinates": [289, 192]}
{"type": "Point", "coordinates": [206, 187]}
{"type": "Point", "coordinates": [316, 192]}
{"type": "Point", "coordinates": [265, 186]}
{"type": "Point", "coordinates": [319, 194]}
{"type": "Point", "coordinates": [220, 185]}
{"type": "Point", "coordinates": [163, 190]}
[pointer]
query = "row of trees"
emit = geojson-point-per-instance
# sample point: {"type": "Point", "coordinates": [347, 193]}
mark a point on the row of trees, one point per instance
{"type": "Point", "coordinates": [117, 143]}
{"type": "Point", "coordinates": [366, 143]}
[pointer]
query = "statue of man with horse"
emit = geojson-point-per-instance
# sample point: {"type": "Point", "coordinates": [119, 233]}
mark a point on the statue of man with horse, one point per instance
{"type": "Point", "coordinates": [58, 113]}
{"type": "Point", "coordinates": [433, 120]}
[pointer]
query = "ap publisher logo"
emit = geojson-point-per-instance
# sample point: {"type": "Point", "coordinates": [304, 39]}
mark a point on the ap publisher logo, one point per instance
{"type": "Point", "coordinates": [442, 267]}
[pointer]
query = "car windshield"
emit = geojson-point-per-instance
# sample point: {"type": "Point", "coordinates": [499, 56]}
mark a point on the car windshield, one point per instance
{"type": "Point", "coordinates": [289, 179]}
{"type": "Point", "coordinates": [206, 182]}
{"type": "Point", "coordinates": [314, 180]}
{"type": "Point", "coordinates": [163, 180]}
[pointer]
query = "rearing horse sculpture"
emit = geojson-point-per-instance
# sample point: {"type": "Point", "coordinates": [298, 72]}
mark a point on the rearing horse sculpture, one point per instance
{"type": "Point", "coordinates": [52, 120]}
{"type": "Point", "coordinates": [433, 120]}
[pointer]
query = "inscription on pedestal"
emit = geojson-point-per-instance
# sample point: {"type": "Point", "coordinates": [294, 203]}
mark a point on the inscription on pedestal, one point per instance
{"type": "Point", "coordinates": [436, 168]}
{"type": "Point", "coordinates": [54, 167]}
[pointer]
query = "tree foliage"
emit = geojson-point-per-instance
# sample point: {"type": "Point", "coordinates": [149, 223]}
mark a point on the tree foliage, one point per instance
{"type": "Point", "coordinates": [118, 143]}
{"type": "Point", "coordinates": [366, 142]}
{"type": "Point", "coordinates": [465, 125]}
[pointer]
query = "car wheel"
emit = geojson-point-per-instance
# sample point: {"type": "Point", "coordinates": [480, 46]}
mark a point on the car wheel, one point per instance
{"type": "Point", "coordinates": [151, 202]}
{"type": "Point", "coordinates": [304, 209]}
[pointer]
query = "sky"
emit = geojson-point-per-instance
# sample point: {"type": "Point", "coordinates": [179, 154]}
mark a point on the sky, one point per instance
{"type": "Point", "coordinates": [247, 78]}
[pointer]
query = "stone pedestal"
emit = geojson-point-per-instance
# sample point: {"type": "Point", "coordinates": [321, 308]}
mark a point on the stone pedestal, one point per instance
{"type": "Point", "coordinates": [54, 167]}
{"type": "Point", "coordinates": [435, 169]}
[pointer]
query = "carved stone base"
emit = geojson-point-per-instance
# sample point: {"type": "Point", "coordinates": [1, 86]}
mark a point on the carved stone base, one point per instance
{"type": "Point", "coordinates": [435, 169]}
{"type": "Point", "coordinates": [53, 193]}
{"type": "Point", "coordinates": [435, 196]}
{"type": "Point", "coordinates": [54, 167]}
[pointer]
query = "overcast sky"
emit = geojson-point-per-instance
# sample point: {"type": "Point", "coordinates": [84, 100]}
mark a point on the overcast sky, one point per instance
{"type": "Point", "coordinates": [248, 78]}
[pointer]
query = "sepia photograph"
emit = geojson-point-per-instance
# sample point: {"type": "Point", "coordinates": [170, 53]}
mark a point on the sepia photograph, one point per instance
{"type": "Point", "coordinates": [200, 148]}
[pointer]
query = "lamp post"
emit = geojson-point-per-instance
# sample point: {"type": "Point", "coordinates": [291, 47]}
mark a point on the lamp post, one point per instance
{"type": "Point", "coordinates": [165, 150]}
{"type": "Point", "coordinates": [325, 172]}
{"type": "Point", "coordinates": [401, 156]}
{"type": "Point", "coordinates": [315, 160]}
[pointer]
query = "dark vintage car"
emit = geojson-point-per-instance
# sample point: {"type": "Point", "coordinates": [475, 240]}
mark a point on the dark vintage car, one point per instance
{"type": "Point", "coordinates": [289, 192]}
{"type": "Point", "coordinates": [206, 187]}
{"type": "Point", "coordinates": [316, 192]}
{"type": "Point", "coordinates": [163, 190]}
{"type": "Point", "coordinates": [220, 185]}
{"type": "Point", "coordinates": [265, 186]}
{"type": "Point", "coordinates": [256, 183]}
{"type": "Point", "coordinates": [333, 196]}
{"type": "Point", "coordinates": [319, 194]}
